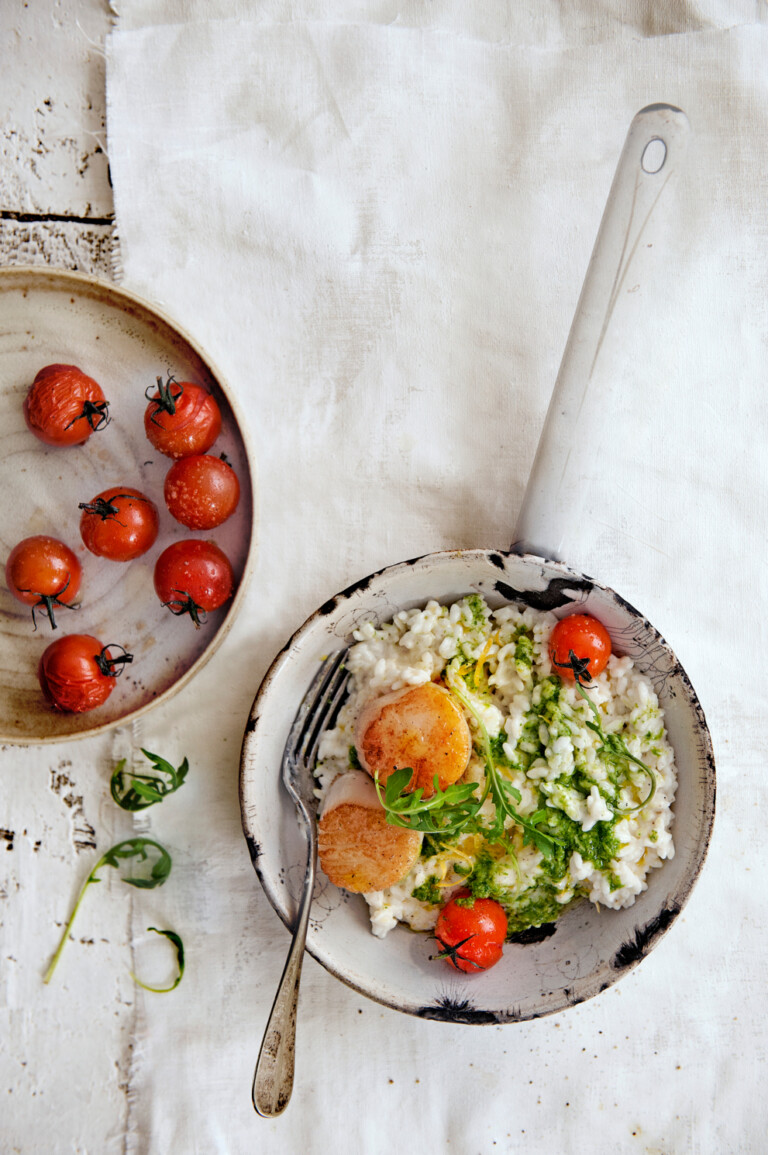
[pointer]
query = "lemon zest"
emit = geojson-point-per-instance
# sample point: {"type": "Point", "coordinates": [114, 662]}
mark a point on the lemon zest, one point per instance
{"type": "Point", "coordinates": [481, 660]}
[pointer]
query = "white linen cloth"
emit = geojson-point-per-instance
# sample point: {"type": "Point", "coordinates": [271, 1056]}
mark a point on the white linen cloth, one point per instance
{"type": "Point", "coordinates": [379, 233]}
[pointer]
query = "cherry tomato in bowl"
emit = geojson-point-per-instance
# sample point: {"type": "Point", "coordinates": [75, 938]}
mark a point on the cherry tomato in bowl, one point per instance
{"type": "Point", "coordinates": [43, 572]}
{"type": "Point", "coordinates": [77, 673]}
{"type": "Point", "coordinates": [120, 523]}
{"type": "Point", "coordinates": [579, 646]}
{"type": "Point", "coordinates": [64, 406]}
{"type": "Point", "coordinates": [193, 577]}
{"type": "Point", "coordinates": [201, 491]}
{"type": "Point", "coordinates": [471, 932]}
{"type": "Point", "coordinates": [181, 418]}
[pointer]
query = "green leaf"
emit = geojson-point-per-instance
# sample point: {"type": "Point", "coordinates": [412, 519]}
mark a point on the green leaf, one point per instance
{"type": "Point", "coordinates": [396, 783]}
{"type": "Point", "coordinates": [500, 790]}
{"type": "Point", "coordinates": [138, 848]}
{"type": "Point", "coordinates": [444, 812]}
{"type": "Point", "coordinates": [133, 790]}
{"type": "Point", "coordinates": [179, 945]}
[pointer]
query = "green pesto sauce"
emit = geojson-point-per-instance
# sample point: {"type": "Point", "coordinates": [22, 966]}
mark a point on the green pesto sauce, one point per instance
{"type": "Point", "coordinates": [476, 607]}
{"type": "Point", "coordinates": [535, 907]}
{"type": "Point", "coordinates": [524, 651]}
{"type": "Point", "coordinates": [432, 844]}
{"type": "Point", "coordinates": [481, 879]}
{"type": "Point", "coordinates": [498, 753]}
{"type": "Point", "coordinates": [429, 891]}
{"type": "Point", "coordinates": [599, 844]}
{"type": "Point", "coordinates": [539, 903]}
{"type": "Point", "coordinates": [354, 761]}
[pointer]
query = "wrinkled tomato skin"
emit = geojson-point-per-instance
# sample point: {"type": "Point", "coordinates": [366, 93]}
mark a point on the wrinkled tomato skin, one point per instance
{"type": "Point", "coordinates": [70, 677]}
{"type": "Point", "coordinates": [198, 569]}
{"type": "Point", "coordinates": [484, 927]}
{"type": "Point", "coordinates": [193, 427]}
{"type": "Point", "coordinates": [201, 491]}
{"type": "Point", "coordinates": [125, 534]}
{"type": "Point", "coordinates": [53, 407]}
{"type": "Point", "coordinates": [586, 637]}
{"type": "Point", "coordinates": [43, 566]}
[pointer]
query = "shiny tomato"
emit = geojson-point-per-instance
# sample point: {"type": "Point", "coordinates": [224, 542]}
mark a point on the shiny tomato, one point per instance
{"type": "Point", "coordinates": [42, 571]}
{"type": "Point", "coordinates": [120, 523]}
{"type": "Point", "coordinates": [193, 577]}
{"type": "Point", "coordinates": [579, 647]}
{"type": "Point", "coordinates": [64, 406]}
{"type": "Point", "coordinates": [471, 932]}
{"type": "Point", "coordinates": [77, 673]}
{"type": "Point", "coordinates": [201, 491]}
{"type": "Point", "coordinates": [181, 418]}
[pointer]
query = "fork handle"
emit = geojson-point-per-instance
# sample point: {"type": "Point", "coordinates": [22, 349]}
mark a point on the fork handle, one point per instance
{"type": "Point", "coordinates": [273, 1078]}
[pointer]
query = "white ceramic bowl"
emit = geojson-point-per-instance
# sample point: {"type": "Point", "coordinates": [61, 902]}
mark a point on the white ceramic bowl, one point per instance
{"type": "Point", "coordinates": [50, 316]}
{"type": "Point", "coordinates": [586, 950]}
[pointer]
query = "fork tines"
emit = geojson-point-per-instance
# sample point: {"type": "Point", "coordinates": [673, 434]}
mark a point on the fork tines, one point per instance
{"type": "Point", "coordinates": [319, 708]}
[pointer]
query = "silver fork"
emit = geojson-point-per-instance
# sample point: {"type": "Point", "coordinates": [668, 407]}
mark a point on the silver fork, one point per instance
{"type": "Point", "coordinates": [273, 1078]}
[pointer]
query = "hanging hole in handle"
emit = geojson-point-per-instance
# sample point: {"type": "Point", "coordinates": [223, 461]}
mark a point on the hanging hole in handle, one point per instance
{"type": "Point", "coordinates": [654, 155]}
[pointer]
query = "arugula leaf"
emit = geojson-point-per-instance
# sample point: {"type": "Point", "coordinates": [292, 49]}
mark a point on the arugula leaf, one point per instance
{"type": "Point", "coordinates": [444, 812]}
{"type": "Point", "coordinates": [614, 749]}
{"type": "Point", "coordinates": [137, 848]}
{"type": "Point", "coordinates": [504, 794]}
{"type": "Point", "coordinates": [176, 940]}
{"type": "Point", "coordinates": [134, 791]}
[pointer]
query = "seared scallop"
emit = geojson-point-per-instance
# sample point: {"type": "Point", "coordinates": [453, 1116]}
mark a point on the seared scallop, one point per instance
{"type": "Point", "coordinates": [358, 849]}
{"type": "Point", "coordinates": [422, 727]}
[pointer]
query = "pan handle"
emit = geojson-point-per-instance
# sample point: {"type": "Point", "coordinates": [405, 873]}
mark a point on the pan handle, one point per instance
{"type": "Point", "coordinates": [652, 153]}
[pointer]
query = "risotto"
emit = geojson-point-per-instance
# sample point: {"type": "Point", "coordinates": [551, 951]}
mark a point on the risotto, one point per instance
{"type": "Point", "coordinates": [565, 815]}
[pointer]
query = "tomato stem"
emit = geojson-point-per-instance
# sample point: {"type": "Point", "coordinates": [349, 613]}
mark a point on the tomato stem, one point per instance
{"type": "Point", "coordinates": [451, 953]}
{"type": "Point", "coordinates": [186, 604]}
{"type": "Point", "coordinates": [109, 666]}
{"type": "Point", "coordinates": [166, 400]}
{"type": "Point", "coordinates": [105, 509]}
{"type": "Point", "coordinates": [48, 601]}
{"type": "Point", "coordinates": [579, 667]}
{"type": "Point", "coordinates": [96, 413]}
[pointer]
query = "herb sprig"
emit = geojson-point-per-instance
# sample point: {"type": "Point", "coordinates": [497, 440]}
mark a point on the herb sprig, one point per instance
{"type": "Point", "coordinates": [445, 812]}
{"type": "Point", "coordinates": [179, 945]}
{"type": "Point", "coordinates": [503, 793]}
{"type": "Point", "coordinates": [145, 851]}
{"type": "Point", "coordinates": [132, 790]}
{"type": "Point", "coordinates": [614, 749]}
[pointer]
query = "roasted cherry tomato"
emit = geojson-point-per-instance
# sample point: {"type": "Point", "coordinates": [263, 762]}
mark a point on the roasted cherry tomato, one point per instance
{"type": "Point", "coordinates": [77, 673]}
{"type": "Point", "coordinates": [579, 647]}
{"type": "Point", "coordinates": [64, 406]}
{"type": "Point", "coordinates": [201, 491]}
{"type": "Point", "coordinates": [193, 577]}
{"type": "Point", "coordinates": [120, 523]}
{"type": "Point", "coordinates": [471, 932]}
{"type": "Point", "coordinates": [181, 418]}
{"type": "Point", "coordinates": [43, 572]}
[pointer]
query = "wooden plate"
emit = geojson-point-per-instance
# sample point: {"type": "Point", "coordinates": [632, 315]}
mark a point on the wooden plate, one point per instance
{"type": "Point", "coordinates": [48, 316]}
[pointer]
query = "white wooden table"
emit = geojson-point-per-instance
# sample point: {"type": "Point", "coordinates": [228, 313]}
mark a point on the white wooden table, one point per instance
{"type": "Point", "coordinates": [68, 1054]}
{"type": "Point", "coordinates": [56, 209]}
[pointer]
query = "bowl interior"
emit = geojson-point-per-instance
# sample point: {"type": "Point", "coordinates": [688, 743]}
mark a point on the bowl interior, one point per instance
{"type": "Point", "coordinates": [48, 317]}
{"type": "Point", "coordinates": [587, 950]}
